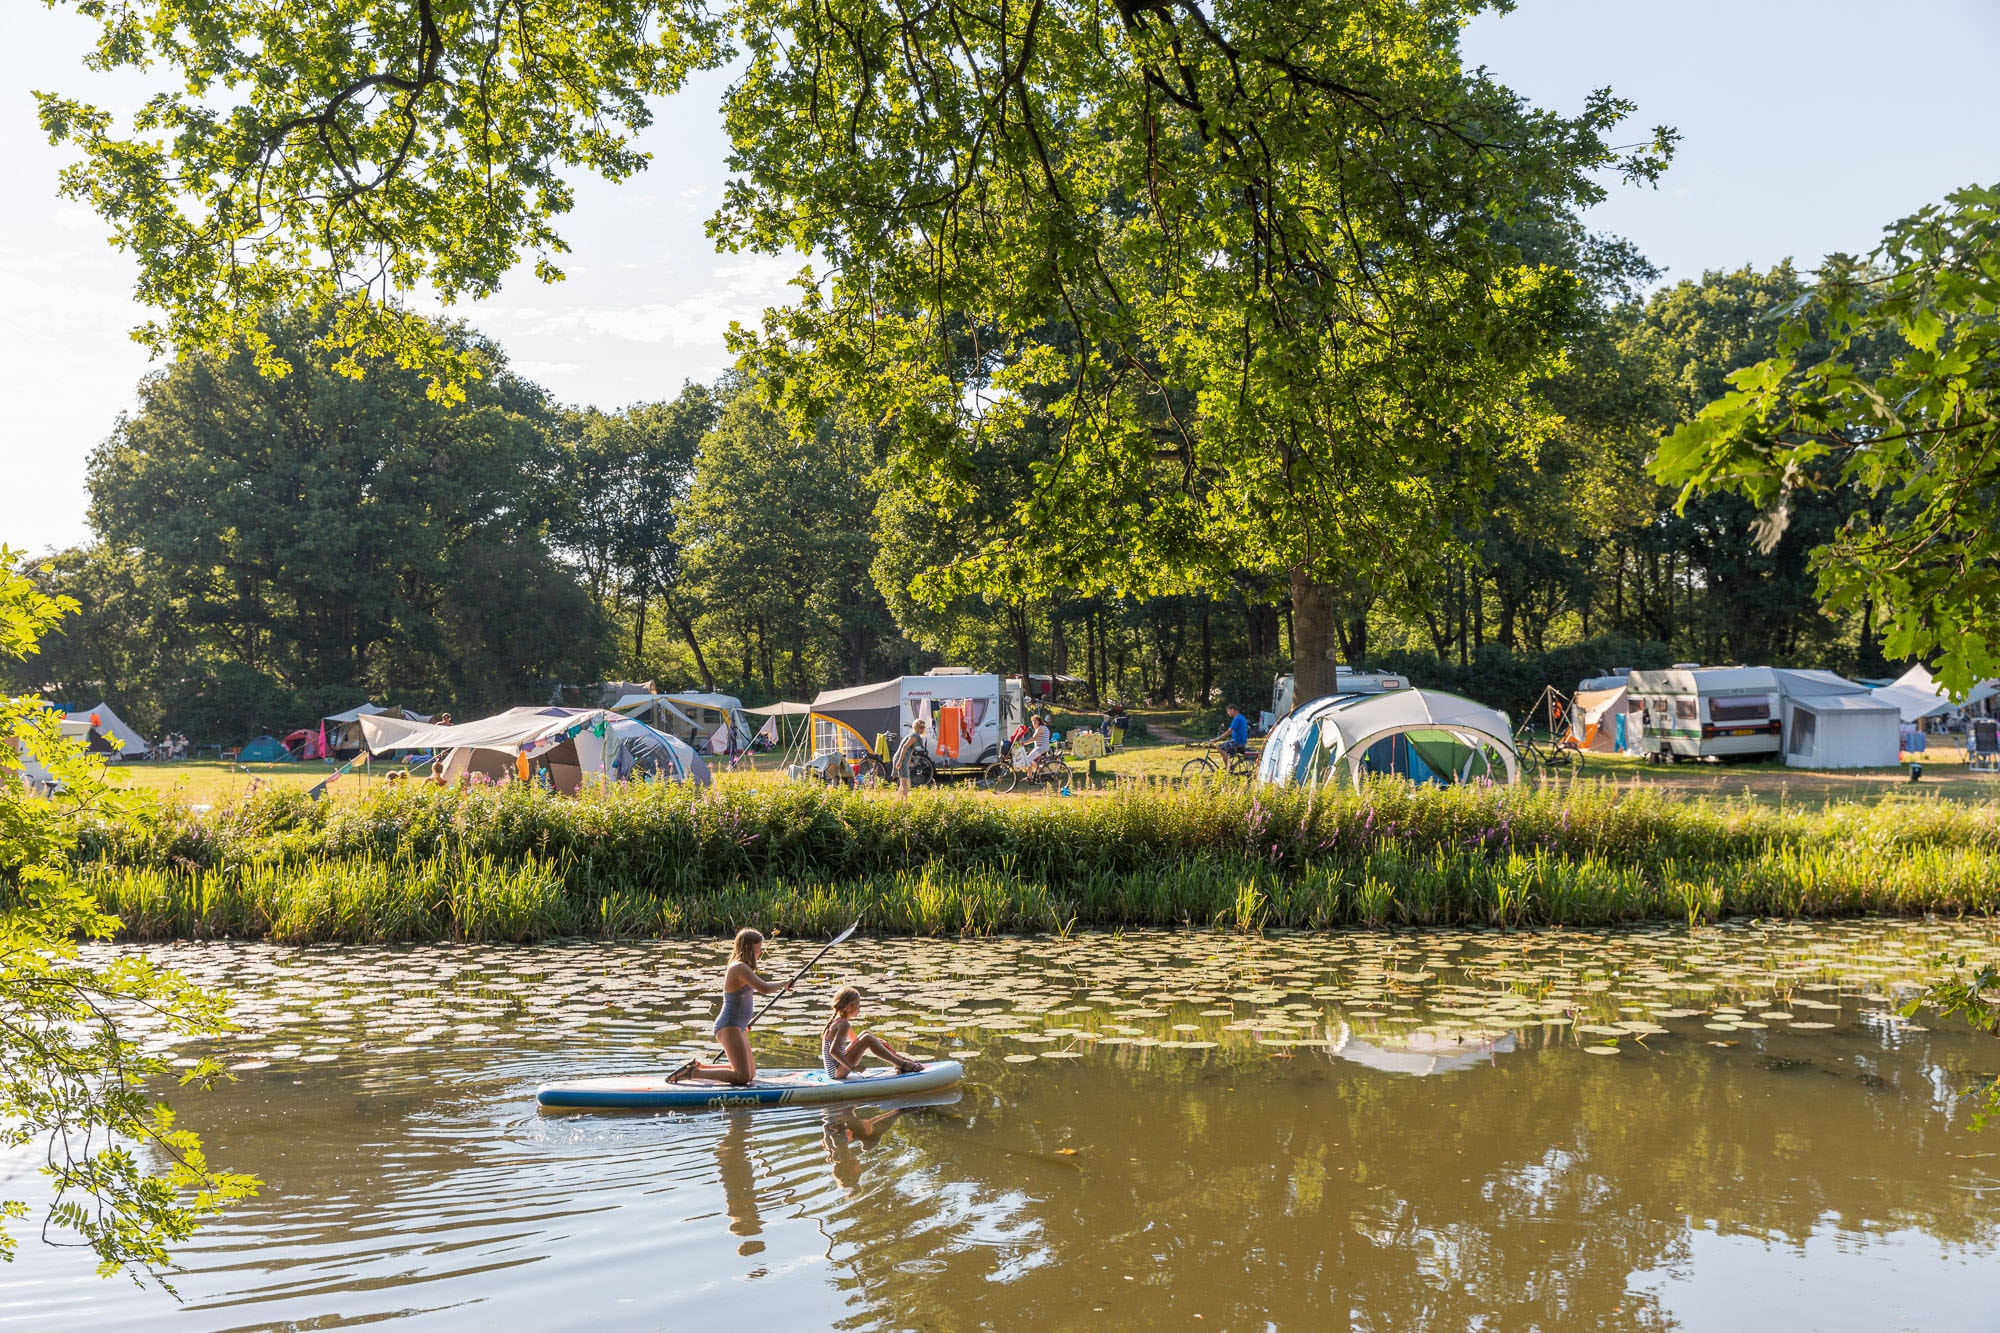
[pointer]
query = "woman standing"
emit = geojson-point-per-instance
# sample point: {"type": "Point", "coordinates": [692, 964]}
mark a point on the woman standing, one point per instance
{"type": "Point", "coordinates": [904, 754]}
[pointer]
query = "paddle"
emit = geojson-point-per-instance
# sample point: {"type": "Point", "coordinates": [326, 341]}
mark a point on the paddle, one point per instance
{"type": "Point", "coordinates": [796, 978]}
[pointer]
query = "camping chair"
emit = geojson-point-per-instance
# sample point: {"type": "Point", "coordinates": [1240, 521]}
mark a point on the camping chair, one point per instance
{"type": "Point", "coordinates": [1982, 746]}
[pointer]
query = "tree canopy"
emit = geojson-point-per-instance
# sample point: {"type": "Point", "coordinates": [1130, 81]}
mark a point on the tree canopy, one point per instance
{"type": "Point", "coordinates": [1884, 394]}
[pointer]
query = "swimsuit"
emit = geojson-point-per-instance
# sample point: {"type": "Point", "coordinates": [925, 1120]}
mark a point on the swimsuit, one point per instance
{"type": "Point", "coordinates": [833, 1069]}
{"type": "Point", "coordinates": [736, 1009]}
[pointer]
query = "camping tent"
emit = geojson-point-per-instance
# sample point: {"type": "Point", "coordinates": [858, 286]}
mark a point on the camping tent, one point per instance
{"type": "Point", "coordinates": [693, 716]}
{"type": "Point", "coordinates": [570, 745]}
{"type": "Point", "coordinates": [265, 750]}
{"type": "Point", "coordinates": [1423, 735]}
{"type": "Point", "coordinates": [104, 724]}
{"type": "Point", "coordinates": [1918, 697]}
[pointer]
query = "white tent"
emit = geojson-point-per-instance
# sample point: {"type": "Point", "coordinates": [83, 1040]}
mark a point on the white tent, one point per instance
{"type": "Point", "coordinates": [103, 722]}
{"type": "Point", "coordinates": [1917, 695]}
{"type": "Point", "coordinates": [574, 745]}
{"type": "Point", "coordinates": [1840, 731]}
{"type": "Point", "coordinates": [1423, 735]}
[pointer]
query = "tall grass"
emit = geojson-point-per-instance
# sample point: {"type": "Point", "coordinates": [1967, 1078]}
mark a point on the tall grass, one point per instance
{"type": "Point", "coordinates": [518, 864]}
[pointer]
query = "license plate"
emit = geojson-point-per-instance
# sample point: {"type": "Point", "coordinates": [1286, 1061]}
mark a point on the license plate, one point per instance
{"type": "Point", "coordinates": [1744, 731]}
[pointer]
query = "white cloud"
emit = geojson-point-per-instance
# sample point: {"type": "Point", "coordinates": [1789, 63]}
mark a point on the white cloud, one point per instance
{"type": "Point", "coordinates": [739, 291]}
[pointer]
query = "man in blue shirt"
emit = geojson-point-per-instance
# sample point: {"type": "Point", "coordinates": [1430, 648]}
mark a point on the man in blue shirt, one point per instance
{"type": "Point", "coordinates": [1235, 738]}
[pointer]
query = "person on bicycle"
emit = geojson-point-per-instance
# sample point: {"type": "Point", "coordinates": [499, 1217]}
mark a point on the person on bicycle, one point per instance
{"type": "Point", "coordinates": [1234, 739]}
{"type": "Point", "coordinates": [1038, 742]}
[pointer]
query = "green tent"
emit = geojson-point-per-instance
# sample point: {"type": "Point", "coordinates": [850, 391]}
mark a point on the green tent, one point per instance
{"type": "Point", "coordinates": [265, 750]}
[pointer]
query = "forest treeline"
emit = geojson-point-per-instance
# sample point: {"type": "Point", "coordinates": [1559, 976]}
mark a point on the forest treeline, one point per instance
{"type": "Point", "coordinates": [268, 550]}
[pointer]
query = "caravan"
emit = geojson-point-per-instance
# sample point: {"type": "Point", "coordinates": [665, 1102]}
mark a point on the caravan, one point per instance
{"type": "Point", "coordinates": [966, 715]}
{"type": "Point", "coordinates": [1347, 681]}
{"type": "Point", "coordinates": [1690, 712]}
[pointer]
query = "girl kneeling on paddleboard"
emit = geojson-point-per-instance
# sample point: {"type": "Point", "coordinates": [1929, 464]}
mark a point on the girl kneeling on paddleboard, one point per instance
{"type": "Point", "coordinates": [843, 1051]}
{"type": "Point", "coordinates": [740, 988]}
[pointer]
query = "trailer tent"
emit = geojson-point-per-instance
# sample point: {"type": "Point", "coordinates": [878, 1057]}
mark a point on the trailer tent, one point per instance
{"type": "Point", "coordinates": [571, 745]}
{"type": "Point", "coordinates": [1423, 735]}
{"type": "Point", "coordinates": [966, 716]}
{"type": "Point", "coordinates": [693, 716]}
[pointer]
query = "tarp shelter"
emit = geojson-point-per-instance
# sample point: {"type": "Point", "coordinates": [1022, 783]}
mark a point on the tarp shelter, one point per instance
{"type": "Point", "coordinates": [1918, 697]}
{"type": "Point", "coordinates": [104, 724]}
{"type": "Point", "coordinates": [571, 746]}
{"type": "Point", "coordinates": [966, 716]}
{"type": "Point", "coordinates": [1422, 735]}
{"type": "Point", "coordinates": [265, 750]}
{"type": "Point", "coordinates": [339, 735]}
{"type": "Point", "coordinates": [695, 717]}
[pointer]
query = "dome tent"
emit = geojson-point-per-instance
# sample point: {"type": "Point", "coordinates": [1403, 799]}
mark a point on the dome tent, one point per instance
{"type": "Point", "coordinates": [265, 750]}
{"type": "Point", "coordinates": [1423, 735]}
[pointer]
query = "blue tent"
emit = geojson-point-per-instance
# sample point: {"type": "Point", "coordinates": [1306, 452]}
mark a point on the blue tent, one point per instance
{"type": "Point", "coordinates": [265, 750]}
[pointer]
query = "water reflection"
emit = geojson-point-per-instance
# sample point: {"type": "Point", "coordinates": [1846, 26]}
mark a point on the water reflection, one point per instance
{"type": "Point", "coordinates": [1267, 1162]}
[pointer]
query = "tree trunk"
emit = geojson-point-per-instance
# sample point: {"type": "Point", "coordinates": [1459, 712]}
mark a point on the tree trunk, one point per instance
{"type": "Point", "coordinates": [1315, 629]}
{"type": "Point", "coordinates": [1017, 625]}
{"type": "Point", "coordinates": [1058, 645]}
{"type": "Point", "coordinates": [639, 638]}
{"type": "Point", "coordinates": [694, 645]}
{"type": "Point", "coordinates": [1475, 585]}
{"type": "Point", "coordinates": [1090, 671]}
{"type": "Point", "coordinates": [1207, 661]}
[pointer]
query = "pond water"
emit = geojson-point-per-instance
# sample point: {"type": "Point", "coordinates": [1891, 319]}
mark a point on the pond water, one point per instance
{"type": "Point", "coordinates": [1450, 1130]}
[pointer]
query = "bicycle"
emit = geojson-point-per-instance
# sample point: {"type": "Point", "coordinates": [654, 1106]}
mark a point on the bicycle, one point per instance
{"type": "Point", "coordinates": [1239, 764]}
{"type": "Point", "coordinates": [1004, 775]}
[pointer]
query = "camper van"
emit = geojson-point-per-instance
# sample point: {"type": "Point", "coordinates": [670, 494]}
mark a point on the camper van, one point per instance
{"type": "Point", "coordinates": [1723, 713]}
{"type": "Point", "coordinates": [1349, 682]}
{"type": "Point", "coordinates": [966, 716]}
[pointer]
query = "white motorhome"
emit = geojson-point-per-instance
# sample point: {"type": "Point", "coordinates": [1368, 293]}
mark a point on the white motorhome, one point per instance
{"type": "Point", "coordinates": [966, 716]}
{"type": "Point", "coordinates": [1347, 681]}
{"type": "Point", "coordinates": [1723, 713]}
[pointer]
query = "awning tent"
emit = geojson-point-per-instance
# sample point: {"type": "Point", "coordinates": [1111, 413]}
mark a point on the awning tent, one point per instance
{"type": "Point", "coordinates": [571, 745]}
{"type": "Point", "coordinates": [1423, 735]}
{"type": "Point", "coordinates": [103, 725]}
{"type": "Point", "coordinates": [863, 712]}
{"type": "Point", "coordinates": [1917, 696]}
{"type": "Point", "coordinates": [781, 710]}
{"type": "Point", "coordinates": [1840, 731]}
{"type": "Point", "coordinates": [1599, 723]}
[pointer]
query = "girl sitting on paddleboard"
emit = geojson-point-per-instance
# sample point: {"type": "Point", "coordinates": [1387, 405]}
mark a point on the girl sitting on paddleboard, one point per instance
{"type": "Point", "coordinates": [843, 1051]}
{"type": "Point", "coordinates": [740, 988]}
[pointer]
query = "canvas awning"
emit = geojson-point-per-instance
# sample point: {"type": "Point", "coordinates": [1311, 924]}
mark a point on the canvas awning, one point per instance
{"type": "Point", "coordinates": [781, 710]}
{"type": "Point", "coordinates": [511, 730]}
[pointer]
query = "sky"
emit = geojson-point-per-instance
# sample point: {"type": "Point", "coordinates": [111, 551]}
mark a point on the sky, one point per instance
{"type": "Point", "coordinates": [1807, 126]}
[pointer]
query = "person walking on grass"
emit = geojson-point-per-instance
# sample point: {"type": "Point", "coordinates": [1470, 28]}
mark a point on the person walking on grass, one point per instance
{"type": "Point", "coordinates": [905, 754]}
{"type": "Point", "coordinates": [843, 1051]}
{"type": "Point", "coordinates": [741, 985]}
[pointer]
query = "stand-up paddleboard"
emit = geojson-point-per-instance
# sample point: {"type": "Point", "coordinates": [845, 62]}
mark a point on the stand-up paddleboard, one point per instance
{"type": "Point", "coordinates": [773, 1087]}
